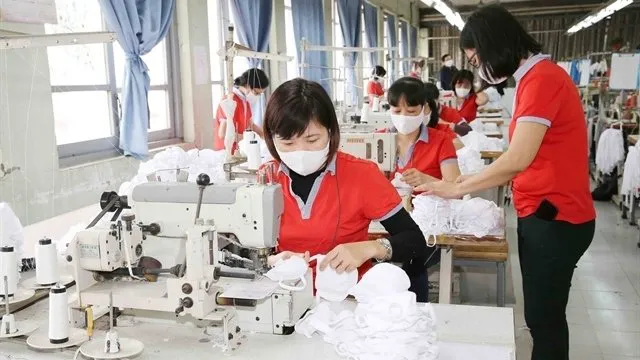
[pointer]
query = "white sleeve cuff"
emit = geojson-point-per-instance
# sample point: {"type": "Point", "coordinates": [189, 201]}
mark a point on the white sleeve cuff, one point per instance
{"type": "Point", "coordinates": [535, 119]}
{"type": "Point", "coordinates": [390, 213]}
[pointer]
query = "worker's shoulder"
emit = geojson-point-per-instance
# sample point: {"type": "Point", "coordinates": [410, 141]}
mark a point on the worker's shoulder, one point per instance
{"type": "Point", "coordinates": [437, 135]}
{"type": "Point", "coordinates": [546, 71]}
{"type": "Point", "coordinates": [355, 165]}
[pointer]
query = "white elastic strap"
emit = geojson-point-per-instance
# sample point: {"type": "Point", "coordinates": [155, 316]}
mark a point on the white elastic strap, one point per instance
{"type": "Point", "coordinates": [294, 288]}
{"type": "Point", "coordinates": [434, 240]}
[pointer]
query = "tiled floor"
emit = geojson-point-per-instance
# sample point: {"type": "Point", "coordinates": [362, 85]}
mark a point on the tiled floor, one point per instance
{"type": "Point", "coordinates": [604, 305]}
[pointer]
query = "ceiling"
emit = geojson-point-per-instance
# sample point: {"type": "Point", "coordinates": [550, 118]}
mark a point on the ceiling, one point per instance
{"type": "Point", "coordinates": [464, 6]}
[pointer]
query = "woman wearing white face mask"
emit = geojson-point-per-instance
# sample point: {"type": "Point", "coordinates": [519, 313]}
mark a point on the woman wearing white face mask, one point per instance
{"type": "Point", "coordinates": [424, 153]}
{"type": "Point", "coordinates": [247, 90]}
{"type": "Point", "coordinates": [330, 198]}
{"type": "Point", "coordinates": [447, 71]}
{"type": "Point", "coordinates": [467, 100]}
{"type": "Point", "coordinates": [547, 163]}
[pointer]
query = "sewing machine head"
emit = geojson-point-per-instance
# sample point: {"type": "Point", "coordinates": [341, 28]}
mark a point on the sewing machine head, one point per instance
{"type": "Point", "coordinates": [363, 142]}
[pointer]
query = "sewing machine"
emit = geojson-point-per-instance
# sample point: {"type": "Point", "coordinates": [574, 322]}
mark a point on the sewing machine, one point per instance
{"type": "Point", "coordinates": [362, 141]}
{"type": "Point", "coordinates": [222, 235]}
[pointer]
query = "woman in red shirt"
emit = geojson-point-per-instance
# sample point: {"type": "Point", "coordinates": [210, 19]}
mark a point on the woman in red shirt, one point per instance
{"type": "Point", "coordinates": [424, 153]}
{"type": "Point", "coordinates": [247, 89]}
{"type": "Point", "coordinates": [467, 100]}
{"type": "Point", "coordinates": [374, 87]}
{"type": "Point", "coordinates": [547, 162]}
{"type": "Point", "coordinates": [327, 206]}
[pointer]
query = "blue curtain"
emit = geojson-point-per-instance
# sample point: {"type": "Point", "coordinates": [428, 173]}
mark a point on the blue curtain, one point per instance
{"type": "Point", "coordinates": [413, 50]}
{"type": "Point", "coordinates": [140, 25]}
{"type": "Point", "coordinates": [253, 22]}
{"type": "Point", "coordinates": [308, 23]}
{"type": "Point", "coordinates": [404, 50]}
{"type": "Point", "coordinates": [371, 31]}
{"type": "Point", "coordinates": [392, 41]}
{"type": "Point", "coordinates": [574, 72]}
{"type": "Point", "coordinates": [351, 27]}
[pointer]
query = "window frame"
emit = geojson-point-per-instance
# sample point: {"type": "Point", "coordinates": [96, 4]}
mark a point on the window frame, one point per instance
{"type": "Point", "coordinates": [98, 149]}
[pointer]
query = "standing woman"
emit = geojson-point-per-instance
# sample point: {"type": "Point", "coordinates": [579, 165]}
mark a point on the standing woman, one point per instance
{"type": "Point", "coordinates": [247, 89]}
{"type": "Point", "coordinates": [374, 87]}
{"type": "Point", "coordinates": [547, 162]}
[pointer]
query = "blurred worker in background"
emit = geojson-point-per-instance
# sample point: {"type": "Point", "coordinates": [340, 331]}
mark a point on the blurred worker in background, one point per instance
{"type": "Point", "coordinates": [375, 87]}
{"type": "Point", "coordinates": [416, 69]}
{"type": "Point", "coordinates": [467, 100]}
{"type": "Point", "coordinates": [247, 90]}
{"type": "Point", "coordinates": [446, 72]}
{"type": "Point", "coordinates": [548, 168]}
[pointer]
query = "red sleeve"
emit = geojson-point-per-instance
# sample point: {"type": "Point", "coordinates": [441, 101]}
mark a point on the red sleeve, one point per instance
{"type": "Point", "coordinates": [449, 114]}
{"type": "Point", "coordinates": [373, 88]}
{"type": "Point", "coordinates": [447, 150]}
{"type": "Point", "coordinates": [470, 109]}
{"type": "Point", "coordinates": [539, 99]}
{"type": "Point", "coordinates": [380, 200]}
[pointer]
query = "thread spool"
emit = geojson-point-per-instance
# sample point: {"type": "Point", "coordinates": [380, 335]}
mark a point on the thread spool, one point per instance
{"type": "Point", "coordinates": [364, 113]}
{"type": "Point", "coordinates": [253, 155]}
{"type": "Point", "coordinates": [8, 268]}
{"type": "Point", "coordinates": [376, 104]}
{"type": "Point", "coordinates": [46, 262]}
{"type": "Point", "coordinates": [58, 315]}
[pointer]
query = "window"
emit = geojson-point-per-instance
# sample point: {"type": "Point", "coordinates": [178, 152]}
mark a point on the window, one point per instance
{"type": "Point", "coordinates": [387, 53]}
{"type": "Point", "coordinates": [366, 57]}
{"type": "Point", "coordinates": [338, 73]}
{"type": "Point", "coordinates": [86, 82]}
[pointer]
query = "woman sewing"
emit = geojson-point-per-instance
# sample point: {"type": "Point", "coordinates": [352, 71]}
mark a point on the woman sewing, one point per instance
{"type": "Point", "coordinates": [247, 89]}
{"type": "Point", "coordinates": [327, 209]}
{"type": "Point", "coordinates": [467, 100]}
{"type": "Point", "coordinates": [374, 87]}
{"type": "Point", "coordinates": [547, 162]}
{"type": "Point", "coordinates": [424, 153]}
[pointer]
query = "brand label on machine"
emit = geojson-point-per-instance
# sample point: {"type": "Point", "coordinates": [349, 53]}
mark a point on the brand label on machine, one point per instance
{"type": "Point", "coordinates": [89, 251]}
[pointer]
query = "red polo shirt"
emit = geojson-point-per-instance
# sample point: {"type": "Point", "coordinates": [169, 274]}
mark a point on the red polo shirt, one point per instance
{"type": "Point", "coordinates": [559, 173]}
{"type": "Point", "coordinates": [432, 149]}
{"type": "Point", "coordinates": [339, 208]}
{"type": "Point", "coordinates": [241, 118]}
{"type": "Point", "coordinates": [374, 89]}
{"type": "Point", "coordinates": [450, 114]}
{"type": "Point", "coordinates": [469, 108]}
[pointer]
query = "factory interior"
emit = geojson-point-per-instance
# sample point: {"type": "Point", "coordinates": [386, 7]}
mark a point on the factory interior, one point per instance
{"type": "Point", "coordinates": [320, 179]}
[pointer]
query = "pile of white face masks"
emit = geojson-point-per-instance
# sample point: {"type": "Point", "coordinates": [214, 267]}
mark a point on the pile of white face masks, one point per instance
{"type": "Point", "coordinates": [469, 161]}
{"type": "Point", "coordinates": [610, 150]}
{"type": "Point", "coordinates": [476, 216]}
{"type": "Point", "coordinates": [631, 176]}
{"type": "Point", "coordinates": [387, 322]}
{"type": "Point", "coordinates": [11, 231]}
{"type": "Point", "coordinates": [480, 142]}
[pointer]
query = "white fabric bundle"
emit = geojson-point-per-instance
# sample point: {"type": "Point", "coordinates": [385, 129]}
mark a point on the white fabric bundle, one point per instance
{"type": "Point", "coordinates": [631, 176]}
{"type": "Point", "coordinates": [11, 231]}
{"type": "Point", "coordinates": [470, 161]}
{"type": "Point", "coordinates": [610, 150]}
{"type": "Point", "coordinates": [403, 188]}
{"type": "Point", "coordinates": [387, 322]}
{"type": "Point", "coordinates": [480, 142]}
{"type": "Point", "coordinates": [477, 126]}
{"type": "Point", "coordinates": [475, 216]}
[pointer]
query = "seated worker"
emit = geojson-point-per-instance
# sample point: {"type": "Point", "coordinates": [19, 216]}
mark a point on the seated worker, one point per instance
{"type": "Point", "coordinates": [424, 153]}
{"type": "Point", "coordinates": [374, 87]}
{"type": "Point", "coordinates": [327, 206]}
{"type": "Point", "coordinates": [432, 94]}
{"type": "Point", "coordinates": [247, 89]}
{"type": "Point", "coordinates": [416, 69]}
{"type": "Point", "coordinates": [467, 100]}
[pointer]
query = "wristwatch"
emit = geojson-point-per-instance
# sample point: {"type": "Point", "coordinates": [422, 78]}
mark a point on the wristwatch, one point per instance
{"type": "Point", "coordinates": [386, 244]}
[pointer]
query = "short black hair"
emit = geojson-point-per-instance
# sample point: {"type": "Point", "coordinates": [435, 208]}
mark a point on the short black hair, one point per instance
{"type": "Point", "coordinates": [460, 76]}
{"type": "Point", "coordinates": [295, 104]}
{"type": "Point", "coordinates": [253, 78]}
{"type": "Point", "coordinates": [445, 56]}
{"type": "Point", "coordinates": [499, 40]}
{"type": "Point", "coordinates": [413, 92]}
{"type": "Point", "coordinates": [378, 71]}
{"type": "Point", "coordinates": [417, 64]}
{"type": "Point", "coordinates": [432, 94]}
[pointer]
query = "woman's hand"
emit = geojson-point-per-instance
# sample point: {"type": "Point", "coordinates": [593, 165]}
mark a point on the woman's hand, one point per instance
{"type": "Point", "coordinates": [284, 255]}
{"type": "Point", "coordinates": [462, 178]}
{"type": "Point", "coordinates": [414, 177]}
{"type": "Point", "coordinates": [349, 257]}
{"type": "Point", "coordinates": [442, 189]}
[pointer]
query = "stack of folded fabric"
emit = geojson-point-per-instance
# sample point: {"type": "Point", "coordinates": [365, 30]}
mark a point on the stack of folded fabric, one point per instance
{"type": "Point", "coordinates": [387, 322]}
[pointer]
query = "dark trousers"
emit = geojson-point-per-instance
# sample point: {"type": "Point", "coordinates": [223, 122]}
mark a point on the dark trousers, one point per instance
{"type": "Point", "coordinates": [549, 252]}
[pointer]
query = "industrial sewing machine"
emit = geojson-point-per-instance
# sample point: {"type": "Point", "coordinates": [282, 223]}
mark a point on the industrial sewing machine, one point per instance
{"type": "Point", "coordinates": [222, 235]}
{"type": "Point", "coordinates": [362, 141]}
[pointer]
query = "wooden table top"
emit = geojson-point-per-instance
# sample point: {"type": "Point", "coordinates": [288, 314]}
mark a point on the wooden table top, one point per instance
{"type": "Point", "coordinates": [491, 154]}
{"type": "Point", "coordinates": [633, 139]}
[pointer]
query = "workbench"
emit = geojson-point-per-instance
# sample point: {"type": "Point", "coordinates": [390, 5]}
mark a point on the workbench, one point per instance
{"type": "Point", "coordinates": [468, 249]}
{"type": "Point", "coordinates": [491, 120]}
{"type": "Point", "coordinates": [490, 156]}
{"type": "Point", "coordinates": [464, 333]}
{"type": "Point", "coordinates": [493, 134]}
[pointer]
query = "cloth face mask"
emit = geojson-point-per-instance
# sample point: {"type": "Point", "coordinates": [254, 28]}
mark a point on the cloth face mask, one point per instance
{"type": "Point", "coordinates": [332, 286]}
{"type": "Point", "coordinates": [406, 124]}
{"type": "Point", "coordinates": [293, 268]}
{"type": "Point", "coordinates": [304, 162]}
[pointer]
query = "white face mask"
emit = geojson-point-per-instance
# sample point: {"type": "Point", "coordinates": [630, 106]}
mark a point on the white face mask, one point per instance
{"type": "Point", "coordinates": [332, 286]}
{"type": "Point", "coordinates": [448, 63]}
{"type": "Point", "coordinates": [291, 269]}
{"type": "Point", "coordinates": [252, 98]}
{"type": "Point", "coordinates": [462, 92]}
{"type": "Point", "coordinates": [406, 124]}
{"type": "Point", "coordinates": [304, 162]}
{"type": "Point", "coordinates": [485, 73]}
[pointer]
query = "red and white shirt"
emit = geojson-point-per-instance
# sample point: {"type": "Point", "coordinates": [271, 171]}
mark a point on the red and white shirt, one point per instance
{"type": "Point", "coordinates": [241, 119]}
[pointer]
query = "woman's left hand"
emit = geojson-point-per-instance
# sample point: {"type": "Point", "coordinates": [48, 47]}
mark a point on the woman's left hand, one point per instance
{"type": "Point", "coordinates": [348, 257]}
{"type": "Point", "coordinates": [414, 177]}
{"type": "Point", "coordinates": [442, 189]}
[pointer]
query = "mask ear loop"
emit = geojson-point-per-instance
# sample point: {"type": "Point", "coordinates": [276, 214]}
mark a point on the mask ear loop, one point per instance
{"type": "Point", "coordinates": [294, 288]}
{"type": "Point", "coordinates": [435, 240]}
